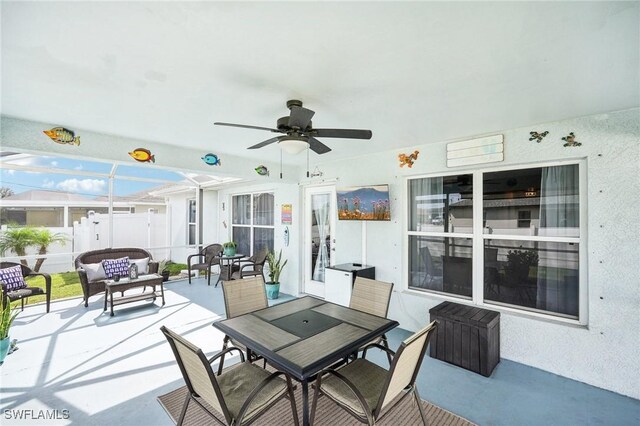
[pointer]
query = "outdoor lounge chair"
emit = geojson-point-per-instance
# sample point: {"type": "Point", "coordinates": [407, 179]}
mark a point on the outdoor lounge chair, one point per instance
{"type": "Point", "coordinates": [28, 291]}
{"type": "Point", "coordinates": [365, 390]}
{"type": "Point", "coordinates": [242, 297]}
{"type": "Point", "coordinates": [372, 297]}
{"type": "Point", "coordinates": [240, 393]}
{"type": "Point", "coordinates": [208, 257]}
{"type": "Point", "coordinates": [252, 266]}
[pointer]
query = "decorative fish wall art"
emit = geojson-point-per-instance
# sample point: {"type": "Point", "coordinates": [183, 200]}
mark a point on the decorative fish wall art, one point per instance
{"type": "Point", "coordinates": [538, 136]}
{"type": "Point", "coordinates": [63, 136]}
{"type": "Point", "coordinates": [262, 170]}
{"type": "Point", "coordinates": [142, 155]}
{"type": "Point", "coordinates": [212, 159]}
{"type": "Point", "coordinates": [408, 160]}
{"type": "Point", "coordinates": [570, 140]}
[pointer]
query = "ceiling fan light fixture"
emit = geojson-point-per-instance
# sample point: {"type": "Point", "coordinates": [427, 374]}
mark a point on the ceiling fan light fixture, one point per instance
{"type": "Point", "coordinates": [293, 144]}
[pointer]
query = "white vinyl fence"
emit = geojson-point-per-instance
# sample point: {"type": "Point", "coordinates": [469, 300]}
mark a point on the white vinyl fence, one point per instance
{"type": "Point", "coordinates": [141, 230]}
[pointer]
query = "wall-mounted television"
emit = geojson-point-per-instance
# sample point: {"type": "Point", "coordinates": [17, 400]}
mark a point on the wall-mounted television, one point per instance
{"type": "Point", "coordinates": [364, 203]}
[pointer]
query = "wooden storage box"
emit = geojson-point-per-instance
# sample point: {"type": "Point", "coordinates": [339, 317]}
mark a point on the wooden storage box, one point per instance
{"type": "Point", "coordinates": [466, 336]}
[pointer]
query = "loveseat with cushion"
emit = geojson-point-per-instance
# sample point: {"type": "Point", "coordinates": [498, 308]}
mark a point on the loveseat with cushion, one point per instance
{"type": "Point", "coordinates": [92, 272]}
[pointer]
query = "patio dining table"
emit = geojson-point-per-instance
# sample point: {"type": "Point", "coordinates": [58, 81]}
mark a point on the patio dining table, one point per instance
{"type": "Point", "coordinates": [304, 336]}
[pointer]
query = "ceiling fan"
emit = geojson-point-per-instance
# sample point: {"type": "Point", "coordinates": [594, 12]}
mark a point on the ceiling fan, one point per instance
{"type": "Point", "coordinates": [298, 132]}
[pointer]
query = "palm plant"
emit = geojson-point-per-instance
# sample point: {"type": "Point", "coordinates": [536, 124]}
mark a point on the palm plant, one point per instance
{"type": "Point", "coordinates": [17, 240]}
{"type": "Point", "coordinates": [43, 238]}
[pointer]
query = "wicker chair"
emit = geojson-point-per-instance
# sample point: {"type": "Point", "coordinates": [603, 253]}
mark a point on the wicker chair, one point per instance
{"type": "Point", "coordinates": [23, 293]}
{"type": "Point", "coordinates": [241, 393]}
{"type": "Point", "coordinates": [242, 297]}
{"type": "Point", "coordinates": [251, 267]}
{"type": "Point", "coordinates": [365, 389]}
{"type": "Point", "coordinates": [372, 297]}
{"type": "Point", "coordinates": [208, 258]}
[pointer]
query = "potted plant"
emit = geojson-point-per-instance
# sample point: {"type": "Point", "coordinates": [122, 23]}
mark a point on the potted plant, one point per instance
{"type": "Point", "coordinates": [7, 315]}
{"type": "Point", "coordinates": [229, 248]}
{"type": "Point", "coordinates": [275, 268]}
{"type": "Point", "coordinates": [162, 270]}
{"type": "Point", "coordinates": [518, 264]}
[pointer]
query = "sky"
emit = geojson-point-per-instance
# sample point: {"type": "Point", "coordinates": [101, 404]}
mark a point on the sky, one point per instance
{"type": "Point", "coordinates": [88, 186]}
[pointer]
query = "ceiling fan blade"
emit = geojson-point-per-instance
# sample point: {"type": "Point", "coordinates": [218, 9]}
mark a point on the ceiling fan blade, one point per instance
{"type": "Point", "coordinates": [267, 142]}
{"type": "Point", "coordinates": [244, 126]}
{"type": "Point", "coordinates": [343, 133]}
{"type": "Point", "coordinates": [317, 146]}
{"type": "Point", "coordinates": [300, 117]}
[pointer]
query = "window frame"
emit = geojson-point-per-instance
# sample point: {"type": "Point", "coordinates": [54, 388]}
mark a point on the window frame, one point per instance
{"type": "Point", "coordinates": [189, 223]}
{"type": "Point", "coordinates": [478, 240]}
{"type": "Point", "coordinates": [251, 225]}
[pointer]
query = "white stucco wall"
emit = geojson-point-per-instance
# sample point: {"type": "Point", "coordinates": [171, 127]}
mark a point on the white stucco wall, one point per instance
{"type": "Point", "coordinates": [605, 353]}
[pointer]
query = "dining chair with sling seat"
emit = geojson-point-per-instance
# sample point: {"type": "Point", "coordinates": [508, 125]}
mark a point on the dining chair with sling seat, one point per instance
{"type": "Point", "coordinates": [240, 393]}
{"type": "Point", "coordinates": [207, 258]}
{"type": "Point", "coordinates": [241, 297]}
{"type": "Point", "coordinates": [369, 392]}
{"type": "Point", "coordinates": [372, 297]}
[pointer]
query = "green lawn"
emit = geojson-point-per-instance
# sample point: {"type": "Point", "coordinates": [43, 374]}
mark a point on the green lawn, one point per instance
{"type": "Point", "coordinates": [67, 284]}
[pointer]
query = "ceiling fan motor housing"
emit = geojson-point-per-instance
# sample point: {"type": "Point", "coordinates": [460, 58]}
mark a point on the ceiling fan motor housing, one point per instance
{"type": "Point", "coordinates": [293, 102]}
{"type": "Point", "coordinates": [283, 125]}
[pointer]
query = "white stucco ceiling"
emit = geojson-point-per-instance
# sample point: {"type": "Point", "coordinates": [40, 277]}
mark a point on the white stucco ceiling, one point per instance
{"type": "Point", "coordinates": [413, 73]}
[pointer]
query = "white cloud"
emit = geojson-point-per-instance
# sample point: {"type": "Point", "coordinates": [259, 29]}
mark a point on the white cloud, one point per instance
{"type": "Point", "coordinates": [11, 171]}
{"type": "Point", "coordinates": [48, 183]}
{"type": "Point", "coordinates": [94, 186]}
{"type": "Point", "coordinates": [79, 167]}
{"type": "Point", "coordinates": [54, 164]}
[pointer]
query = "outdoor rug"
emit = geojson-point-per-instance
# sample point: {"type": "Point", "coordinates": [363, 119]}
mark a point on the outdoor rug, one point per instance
{"type": "Point", "coordinates": [327, 413]}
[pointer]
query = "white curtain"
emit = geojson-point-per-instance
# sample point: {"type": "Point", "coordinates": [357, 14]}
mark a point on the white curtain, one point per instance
{"type": "Point", "coordinates": [559, 204]}
{"type": "Point", "coordinates": [427, 200]}
{"type": "Point", "coordinates": [320, 205]}
{"type": "Point", "coordinates": [559, 216]}
{"type": "Point", "coordinates": [427, 204]}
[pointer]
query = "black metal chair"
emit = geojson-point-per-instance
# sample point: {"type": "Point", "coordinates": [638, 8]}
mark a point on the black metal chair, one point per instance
{"type": "Point", "coordinates": [240, 393]}
{"type": "Point", "coordinates": [207, 258]}
{"type": "Point", "coordinates": [28, 291]}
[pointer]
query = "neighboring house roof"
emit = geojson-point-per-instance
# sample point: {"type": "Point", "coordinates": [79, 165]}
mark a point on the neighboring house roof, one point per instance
{"type": "Point", "coordinates": [141, 197]}
{"type": "Point", "coordinates": [44, 195]}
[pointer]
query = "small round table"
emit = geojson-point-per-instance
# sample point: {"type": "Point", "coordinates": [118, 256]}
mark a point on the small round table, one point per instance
{"type": "Point", "coordinates": [226, 267]}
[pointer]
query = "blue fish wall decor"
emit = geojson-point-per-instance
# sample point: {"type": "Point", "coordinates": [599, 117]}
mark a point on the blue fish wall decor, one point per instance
{"type": "Point", "coordinates": [212, 159]}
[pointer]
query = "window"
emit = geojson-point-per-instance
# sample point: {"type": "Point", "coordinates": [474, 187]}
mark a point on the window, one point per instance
{"type": "Point", "coordinates": [528, 233]}
{"type": "Point", "coordinates": [440, 234]}
{"type": "Point", "coordinates": [191, 223]}
{"type": "Point", "coordinates": [524, 218]}
{"type": "Point", "coordinates": [252, 223]}
{"type": "Point", "coordinates": [32, 216]}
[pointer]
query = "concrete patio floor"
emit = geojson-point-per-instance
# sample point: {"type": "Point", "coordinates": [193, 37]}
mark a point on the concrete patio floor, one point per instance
{"type": "Point", "coordinates": [109, 370]}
